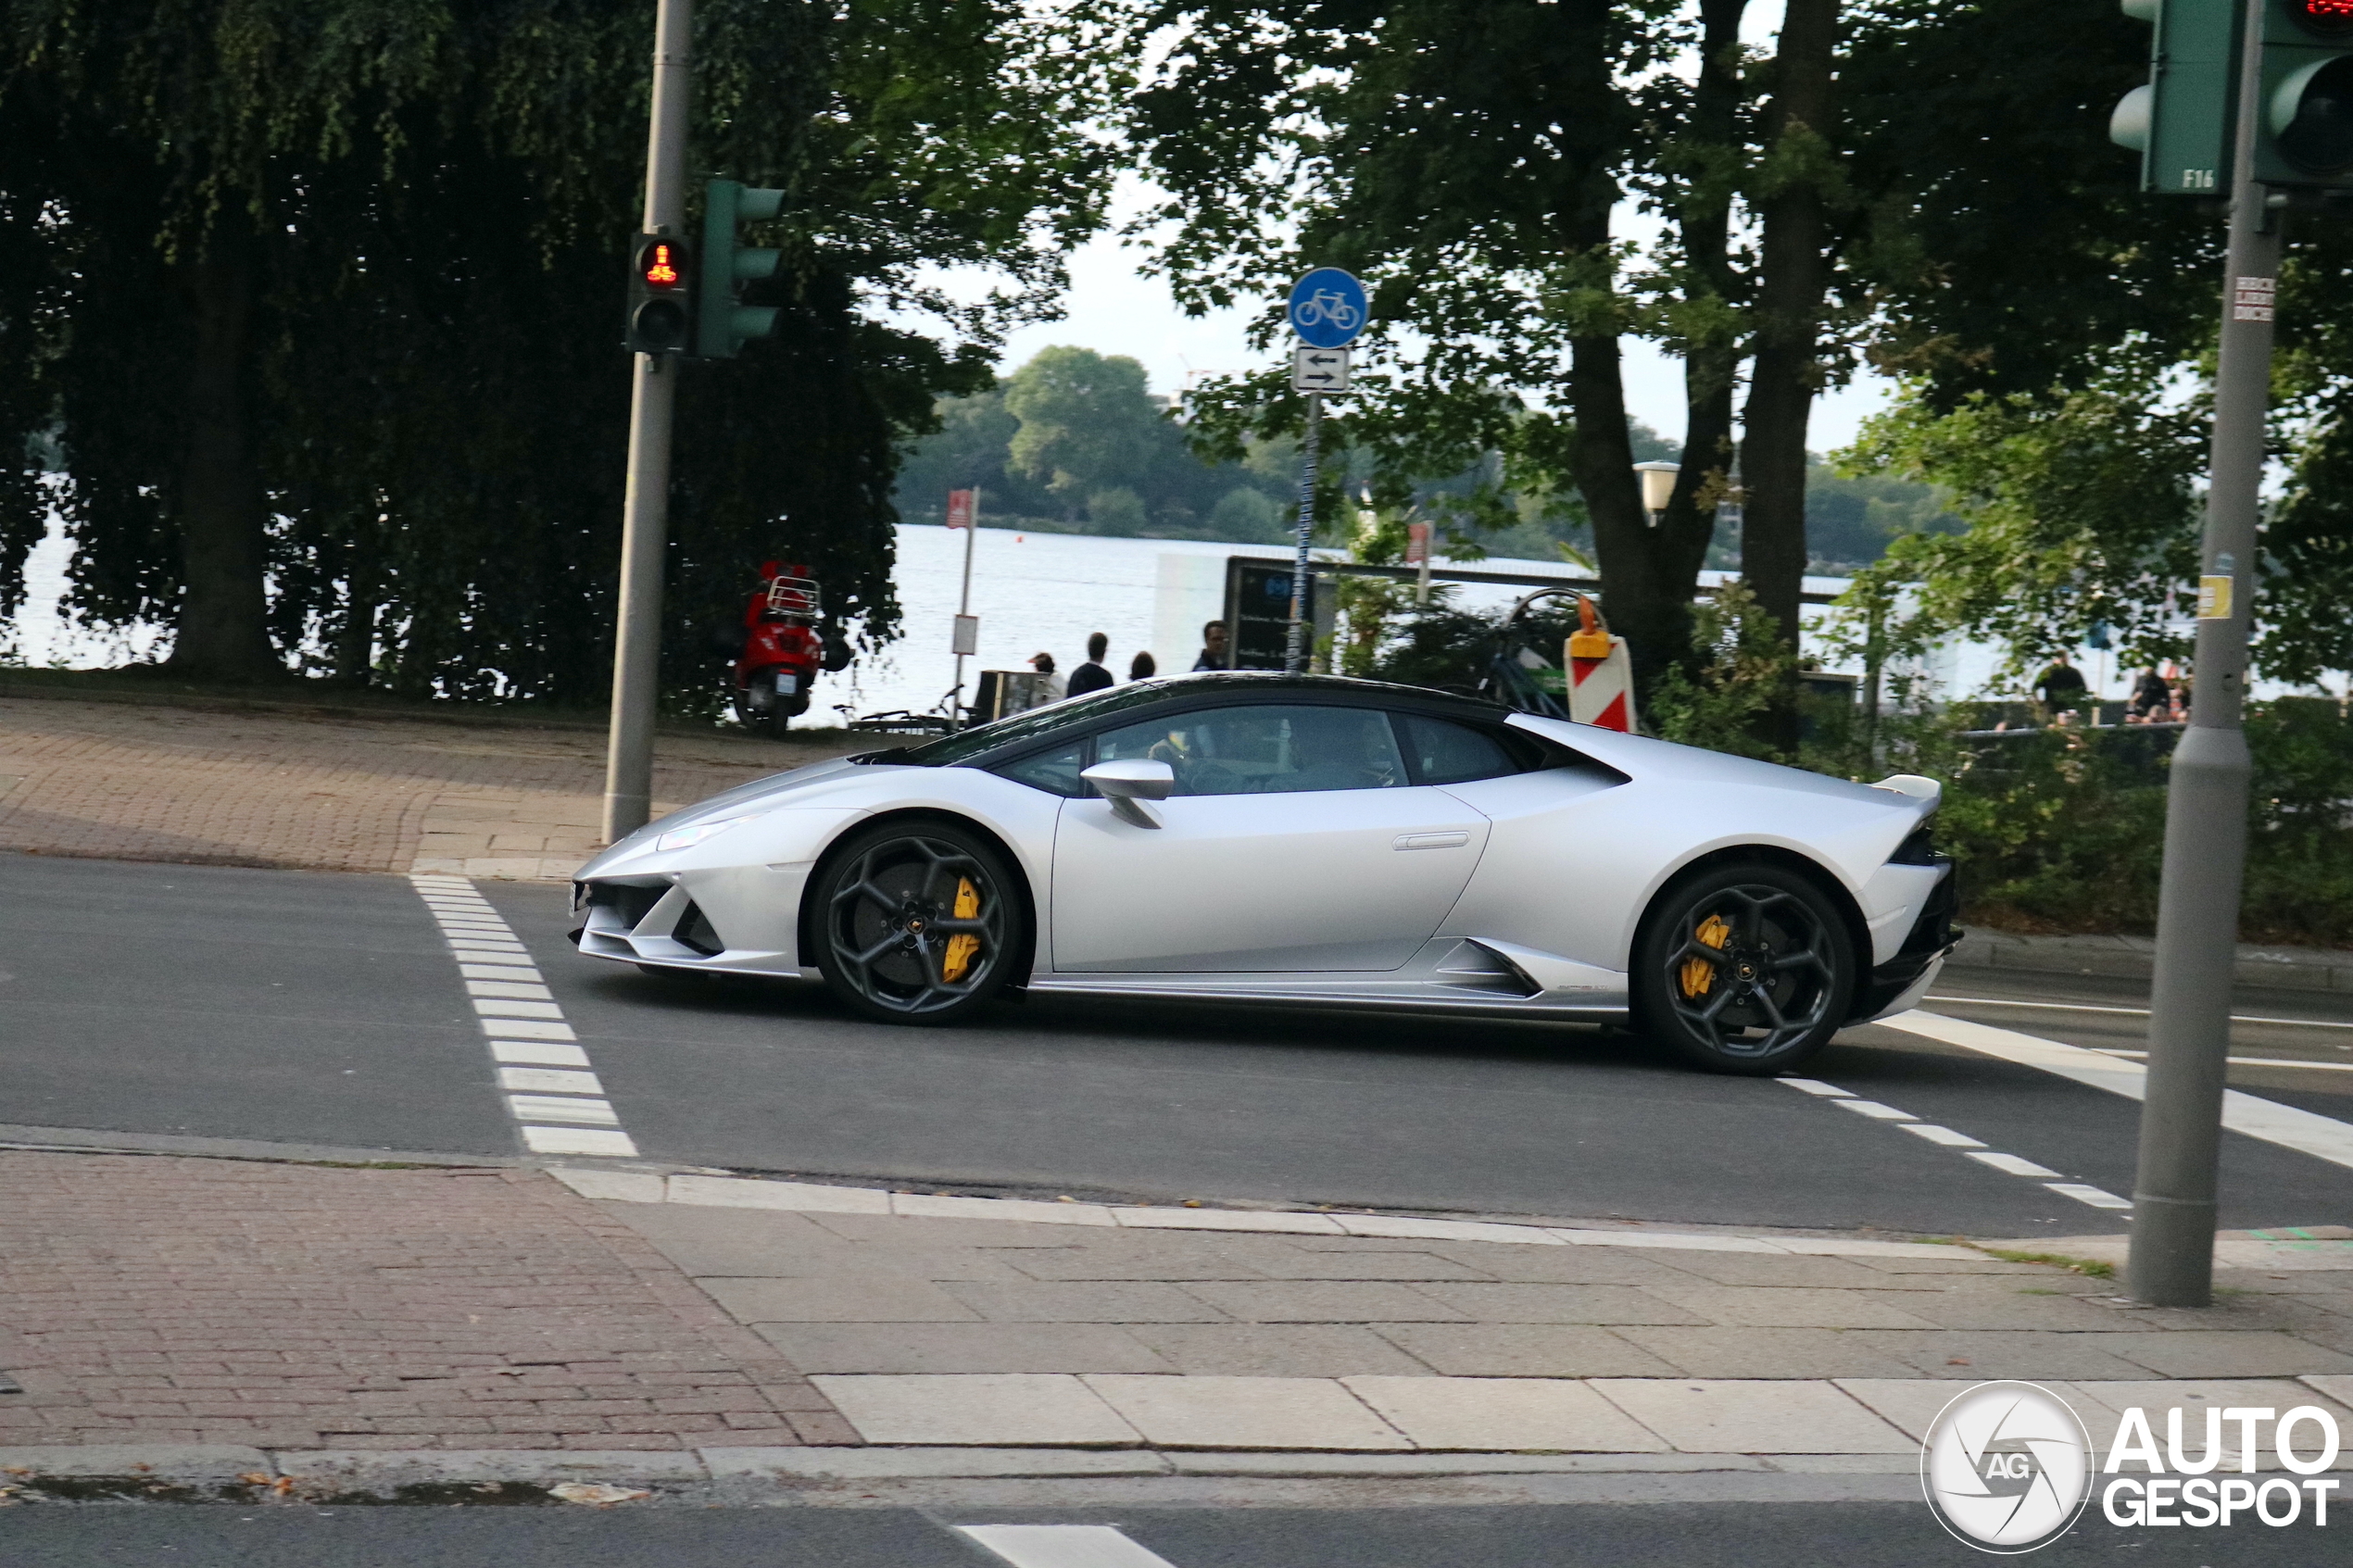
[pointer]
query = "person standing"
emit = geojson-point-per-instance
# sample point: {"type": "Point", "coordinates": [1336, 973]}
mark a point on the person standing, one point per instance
{"type": "Point", "coordinates": [1143, 667]}
{"type": "Point", "coordinates": [1091, 676]}
{"type": "Point", "coordinates": [2061, 689]}
{"type": "Point", "coordinates": [1213, 653]}
{"type": "Point", "coordinates": [1044, 664]}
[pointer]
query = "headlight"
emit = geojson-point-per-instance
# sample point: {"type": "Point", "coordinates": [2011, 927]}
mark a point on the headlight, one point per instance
{"type": "Point", "coordinates": [682, 839]}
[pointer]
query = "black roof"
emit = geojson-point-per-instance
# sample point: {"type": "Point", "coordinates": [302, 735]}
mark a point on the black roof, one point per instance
{"type": "Point", "coordinates": [1119, 705]}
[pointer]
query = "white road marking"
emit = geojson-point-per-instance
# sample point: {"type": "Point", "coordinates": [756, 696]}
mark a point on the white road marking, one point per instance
{"type": "Point", "coordinates": [1814, 1086]}
{"type": "Point", "coordinates": [1944, 1136]}
{"type": "Point", "coordinates": [2251, 1060]}
{"type": "Point", "coordinates": [578, 1140]}
{"type": "Point", "coordinates": [546, 1053]}
{"type": "Point", "coordinates": [2133, 1012]}
{"type": "Point", "coordinates": [518, 989]}
{"type": "Point", "coordinates": [1875, 1110]}
{"type": "Point", "coordinates": [548, 1107]}
{"type": "Point", "coordinates": [545, 1072]}
{"type": "Point", "coordinates": [2098, 1198]}
{"type": "Point", "coordinates": [1062, 1546]}
{"type": "Point", "coordinates": [550, 1080]}
{"type": "Point", "coordinates": [2015, 1165]}
{"type": "Point", "coordinates": [2009, 1163]}
{"type": "Point", "coordinates": [2324, 1137]}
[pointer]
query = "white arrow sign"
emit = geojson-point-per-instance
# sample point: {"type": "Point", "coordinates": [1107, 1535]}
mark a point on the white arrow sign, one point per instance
{"type": "Point", "coordinates": [1319, 369]}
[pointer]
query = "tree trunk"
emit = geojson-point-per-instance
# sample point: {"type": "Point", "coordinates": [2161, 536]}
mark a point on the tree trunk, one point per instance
{"type": "Point", "coordinates": [223, 631]}
{"type": "Point", "coordinates": [1711, 357]}
{"type": "Point", "coordinates": [1793, 201]}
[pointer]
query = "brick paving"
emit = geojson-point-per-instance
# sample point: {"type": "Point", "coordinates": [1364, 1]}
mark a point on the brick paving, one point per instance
{"type": "Point", "coordinates": [135, 781]}
{"type": "Point", "coordinates": [158, 1300]}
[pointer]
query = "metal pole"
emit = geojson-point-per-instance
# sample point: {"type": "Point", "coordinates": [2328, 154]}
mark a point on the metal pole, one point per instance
{"type": "Point", "coordinates": [963, 608]}
{"type": "Point", "coordinates": [2172, 1262]}
{"type": "Point", "coordinates": [645, 508]}
{"type": "Point", "coordinates": [1295, 648]}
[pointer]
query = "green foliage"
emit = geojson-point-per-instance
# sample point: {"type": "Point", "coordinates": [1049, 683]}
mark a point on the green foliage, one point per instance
{"type": "Point", "coordinates": [1741, 671]}
{"type": "Point", "coordinates": [415, 210]}
{"type": "Point", "coordinates": [1087, 421]}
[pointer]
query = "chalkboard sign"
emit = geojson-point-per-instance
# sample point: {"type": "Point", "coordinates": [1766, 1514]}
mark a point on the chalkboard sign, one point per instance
{"type": "Point", "coordinates": [1258, 612]}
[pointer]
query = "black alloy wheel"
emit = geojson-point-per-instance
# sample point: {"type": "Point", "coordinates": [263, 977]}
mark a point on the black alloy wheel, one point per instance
{"type": "Point", "coordinates": [916, 924]}
{"type": "Point", "coordinates": [1745, 969]}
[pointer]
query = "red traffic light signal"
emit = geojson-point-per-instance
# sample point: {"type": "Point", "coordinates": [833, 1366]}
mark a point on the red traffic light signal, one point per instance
{"type": "Point", "coordinates": [2329, 19]}
{"type": "Point", "coordinates": [662, 266]}
{"type": "Point", "coordinates": [661, 317]}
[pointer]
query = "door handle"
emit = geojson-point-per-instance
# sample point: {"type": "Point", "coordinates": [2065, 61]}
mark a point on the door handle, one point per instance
{"type": "Point", "coordinates": [1429, 841]}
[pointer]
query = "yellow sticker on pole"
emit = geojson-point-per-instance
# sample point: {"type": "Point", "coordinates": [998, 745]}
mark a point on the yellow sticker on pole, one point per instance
{"type": "Point", "coordinates": [2214, 598]}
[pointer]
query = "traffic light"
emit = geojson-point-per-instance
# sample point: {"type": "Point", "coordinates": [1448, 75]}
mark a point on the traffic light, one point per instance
{"type": "Point", "coordinates": [2182, 123]}
{"type": "Point", "coordinates": [661, 296]}
{"type": "Point", "coordinates": [723, 326]}
{"type": "Point", "coordinates": [2308, 95]}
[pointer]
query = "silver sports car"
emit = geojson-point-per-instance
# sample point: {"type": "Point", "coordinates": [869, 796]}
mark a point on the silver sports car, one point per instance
{"type": "Point", "coordinates": [1309, 840]}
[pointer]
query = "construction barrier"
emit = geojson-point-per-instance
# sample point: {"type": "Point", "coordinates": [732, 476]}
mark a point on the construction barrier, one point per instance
{"type": "Point", "coordinates": [1601, 673]}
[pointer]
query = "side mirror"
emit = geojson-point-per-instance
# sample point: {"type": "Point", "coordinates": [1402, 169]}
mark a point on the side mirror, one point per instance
{"type": "Point", "coordinates": [1135, 780]}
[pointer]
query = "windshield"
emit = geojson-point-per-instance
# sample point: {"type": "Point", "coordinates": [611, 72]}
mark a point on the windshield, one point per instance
{"type": "Point", "coordinates": [1034, 724]}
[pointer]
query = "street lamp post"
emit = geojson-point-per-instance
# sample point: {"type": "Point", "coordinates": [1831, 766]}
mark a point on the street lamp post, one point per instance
{"type": "Point", "coordinates": [1658, 487]}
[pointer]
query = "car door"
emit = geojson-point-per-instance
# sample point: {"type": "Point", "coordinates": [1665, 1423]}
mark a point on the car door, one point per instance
{"type": "Point", "coordinates": [1294, 840]}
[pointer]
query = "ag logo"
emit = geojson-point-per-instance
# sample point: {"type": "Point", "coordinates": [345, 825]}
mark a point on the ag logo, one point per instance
{"type": "Point", "coordinates": [2008, 1467]}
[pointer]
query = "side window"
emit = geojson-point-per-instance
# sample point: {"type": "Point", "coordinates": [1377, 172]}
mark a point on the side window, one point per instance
{"type": "Point", "coordinates": [1267, 750]}
{"type": "Point", "coordinates": [1445, 752]}
{"type": "Point", "coordinates": [1054, 772]}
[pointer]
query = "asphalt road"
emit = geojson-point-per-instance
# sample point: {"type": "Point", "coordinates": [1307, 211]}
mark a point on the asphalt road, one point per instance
{"type": "Point", "coordinates": [1784, 1534]}
{"type": "Point", "coordinates": [297, 1007]}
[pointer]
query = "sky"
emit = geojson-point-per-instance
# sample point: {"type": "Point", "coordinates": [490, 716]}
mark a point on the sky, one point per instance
{"type": "Point", "coordinates": [1113, 308]}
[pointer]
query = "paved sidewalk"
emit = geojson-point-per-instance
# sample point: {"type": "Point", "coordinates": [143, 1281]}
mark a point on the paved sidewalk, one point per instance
{"type": "Point", "coordinates": [135, 781]}
{"type": "Point", "coordinates": [158, 1301]}
{"type": "Point", "coordinates": [228, 1326]}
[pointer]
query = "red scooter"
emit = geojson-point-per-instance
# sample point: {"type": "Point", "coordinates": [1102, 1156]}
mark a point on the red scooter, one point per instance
{"type": "Point", "coordinates": [779, 649]}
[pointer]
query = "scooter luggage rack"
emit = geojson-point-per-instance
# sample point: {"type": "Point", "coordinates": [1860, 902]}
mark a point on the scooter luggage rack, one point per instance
{"type": "Point", "coordinates": [793, 597]}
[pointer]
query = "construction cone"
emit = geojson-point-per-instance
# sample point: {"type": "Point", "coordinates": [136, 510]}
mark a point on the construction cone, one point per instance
{"type": "Point", "coordinates": [1601, 673]}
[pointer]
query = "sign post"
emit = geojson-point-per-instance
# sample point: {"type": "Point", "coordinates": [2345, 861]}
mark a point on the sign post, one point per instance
{"type": "Point", "coordinates": [1327, 308]}
{"type": "Point", "coordinates": [2172, 1258]}
{"type": "Point", "coordinates": [963, 511]}
{"type": "Point", "coordinates": [1417, 554]}
{"type": "Point", "coordinates": [645, 508]}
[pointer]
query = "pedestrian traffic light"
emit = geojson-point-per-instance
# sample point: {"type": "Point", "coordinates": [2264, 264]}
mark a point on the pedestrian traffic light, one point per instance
{"type": "Point", "coordinates": [2181, 122]}
{"type": "Point", "coordinates": [662, 297]}
{"type": "Point", "coordinates": [2307, 130]}
{"type": "Point", "coordinates": [723, 325]}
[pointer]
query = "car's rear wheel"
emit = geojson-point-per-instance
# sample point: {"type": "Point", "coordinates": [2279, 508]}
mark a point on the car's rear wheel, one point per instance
{"type": "Point", "coordinates": [916, 923]}
{"type": "Point", "coordinates": [1744, 969]}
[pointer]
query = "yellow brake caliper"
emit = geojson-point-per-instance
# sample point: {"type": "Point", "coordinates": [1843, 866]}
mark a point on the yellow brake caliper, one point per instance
{"type": "Point", "coordinates": [1699, 975]}
{"type": "Point", "coordinates": [963, 947]}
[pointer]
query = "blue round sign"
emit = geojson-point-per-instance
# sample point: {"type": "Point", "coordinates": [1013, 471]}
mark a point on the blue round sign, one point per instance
{"type": "Point", "coordinates": [1327, 308]}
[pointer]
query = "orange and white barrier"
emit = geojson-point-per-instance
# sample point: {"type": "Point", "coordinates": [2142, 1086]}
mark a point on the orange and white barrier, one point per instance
{"type": "Point", "coordinates": [1601, 673]}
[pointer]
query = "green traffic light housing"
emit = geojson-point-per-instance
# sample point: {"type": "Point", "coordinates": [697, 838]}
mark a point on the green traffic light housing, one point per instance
{"type": "Point", "coordinates": [723, 325]}
{"type": "Point", "coordinates": [2181, 123]}
{"type": "Point", "coordinates": [2308, 84]}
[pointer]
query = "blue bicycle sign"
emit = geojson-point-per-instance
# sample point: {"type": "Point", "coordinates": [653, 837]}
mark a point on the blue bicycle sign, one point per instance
{"type": "Point", "coordinates": [1327, 308]}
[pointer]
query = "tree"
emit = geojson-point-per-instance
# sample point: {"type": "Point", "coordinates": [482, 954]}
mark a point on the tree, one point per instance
{"type": "Point", "coordinates": [1087, 423]}
{"type": "Point", "coordinates": [323, 298]}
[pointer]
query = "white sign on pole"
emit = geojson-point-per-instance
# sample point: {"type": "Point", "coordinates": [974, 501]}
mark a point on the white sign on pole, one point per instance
{"type": "Point", "coordinates": [967, 639]}
{"type": "Point", "coordinates": [1319, 369]}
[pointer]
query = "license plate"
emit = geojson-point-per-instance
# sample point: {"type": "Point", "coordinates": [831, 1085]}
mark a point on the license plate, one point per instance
{"type": "Point", "coordinates": [787, 684]}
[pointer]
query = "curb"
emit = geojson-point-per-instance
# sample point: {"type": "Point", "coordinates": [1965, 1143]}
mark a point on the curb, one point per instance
{"type": "Point", "coordinates": [2133, 957]}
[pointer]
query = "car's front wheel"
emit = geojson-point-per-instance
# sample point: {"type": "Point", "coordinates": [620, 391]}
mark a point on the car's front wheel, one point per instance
{"type": "Point", "coordinates": [916, 923]}
{"type": "Point", "coordinates": [1744, 969]}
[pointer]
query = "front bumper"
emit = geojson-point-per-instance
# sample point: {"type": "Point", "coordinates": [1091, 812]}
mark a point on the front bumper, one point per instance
{"type": "Point", "coordinates": [1898, 984]}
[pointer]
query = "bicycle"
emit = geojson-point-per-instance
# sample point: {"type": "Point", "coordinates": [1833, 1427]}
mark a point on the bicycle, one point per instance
{"type": "Point", "coordinates": [1327, 306]}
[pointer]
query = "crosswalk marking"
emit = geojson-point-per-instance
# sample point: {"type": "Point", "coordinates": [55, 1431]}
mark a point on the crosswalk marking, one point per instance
{"type": "Point", "coordinates": [564, 1109]}
{"type": "Point", "coordinates": [1063, 1546]}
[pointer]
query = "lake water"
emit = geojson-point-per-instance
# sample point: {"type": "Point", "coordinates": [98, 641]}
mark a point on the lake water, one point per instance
{"type": "Point", "coordinates": [1033, 593]}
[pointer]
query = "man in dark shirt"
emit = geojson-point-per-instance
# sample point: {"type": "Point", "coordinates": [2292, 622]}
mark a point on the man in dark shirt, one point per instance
{"type": "Point", "coordinates": [1091, 676]}
{"type": "Point", "coordinates": [1213, 653]}
{"type": "Point", "coordinates": [2061, 689]}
